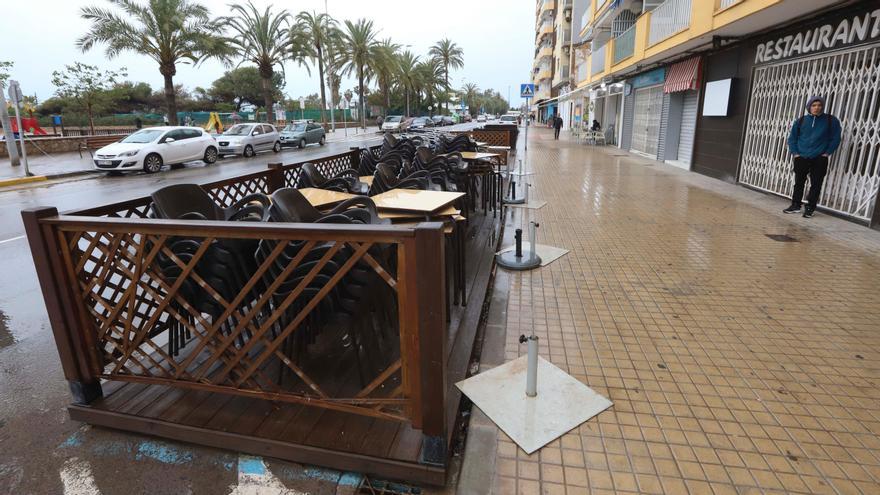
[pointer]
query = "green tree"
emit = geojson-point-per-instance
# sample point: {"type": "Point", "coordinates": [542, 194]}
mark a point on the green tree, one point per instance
{"type": "Point", "coordinates": [430, 81]}
{"type": "Point", "coordinates": [130, 97]}
{"type": "Point", "coordinates": [359, 40]}
{"type": "Point", "coordinates": [244, 85]}
{"type": "Point", "coordinates": [385, 67]}
{"type": "Point", "coordinates": [469, 93]}
{"type": "Point", "coordinates": [87, 87]}
{"type": "Point", "coordinates": [266, 40]}
{"type": "Point", "coordinates": [167, 31]}
{"type": "Point", "coordinates": [450, 56]}
{"type": "Point", "coordinates": [320, 32]}
{"type": "Point", "coordinates": [407, 73]}
{"type": "Point", "coordinates": [5, 68]}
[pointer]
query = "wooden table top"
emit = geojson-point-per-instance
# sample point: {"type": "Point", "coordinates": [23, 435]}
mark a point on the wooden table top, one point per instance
{"type": "Point", "coordinates": [480, 143]}
{"type": "Point", "coordinates": [366, 179]}
{"type": "Point", "coordinates": [477, 155]}
{"type": "Point", "coordinates": [321, 197]}
{"type": "Point", "coordinates": [449, 211]}
{"type": "Point", "coordinates": [415, 200]}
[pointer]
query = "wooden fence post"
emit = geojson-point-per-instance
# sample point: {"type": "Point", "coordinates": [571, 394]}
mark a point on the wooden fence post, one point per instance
{"type": "Point", "coordinates": [355, 157]}
{"type": "Point", "coordinates": [276, 177]}
{"type": "Point", "coordinates": [84, 385]}
{"type": "Point", "coordinates": [431, 307]}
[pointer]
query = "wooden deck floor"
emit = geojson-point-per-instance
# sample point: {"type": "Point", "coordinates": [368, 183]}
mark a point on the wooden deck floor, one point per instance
{"type": "Point", "coordinates": [299, 433]}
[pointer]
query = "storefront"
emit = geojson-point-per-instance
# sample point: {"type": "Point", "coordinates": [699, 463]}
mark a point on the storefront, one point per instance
{"type": "Point", "coordinates": [837, 56]}
{"type": "Point", "coordinates": [679, 117]}
{"type": "Point", "coordinates": [606, 107]}
{"type": "Point", "coordinates": [643, 116]}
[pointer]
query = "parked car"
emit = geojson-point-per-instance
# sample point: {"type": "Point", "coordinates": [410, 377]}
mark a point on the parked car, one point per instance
{"type": "Point", "coordinates": [248, 139]}
{"type": "Point", "coordinates": [437, 119]}
{"type": "Point", "coordinates": [507, 119]}
{"type": "Point", "coordinates": [447, 120]}
{"type": "Point", "coordinates": [150, 148]}
{"type": "Point", "coordinates": [465, 117]}
{"type": "Point", "coordinates": [421, 123]}
{"type": "Point", "coordinates": [481, 118]}
{"type": "Point", "coordinates": [394, 123]}
{"type": "Point", "coordinates": [301, 134]}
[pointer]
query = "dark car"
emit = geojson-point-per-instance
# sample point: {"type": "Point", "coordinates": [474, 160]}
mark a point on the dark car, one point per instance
{"type": "Point", "coordinates": [437, 119]}
{"type": "Point", "coordinates": [421, 123]}
{"type": "Point", "coordinates": [447, 120]}
{"type": "Point", "coordinates": [302, 133]}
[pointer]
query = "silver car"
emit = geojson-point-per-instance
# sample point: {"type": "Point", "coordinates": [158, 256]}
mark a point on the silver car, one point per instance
{"type": "Point", "coordinates": [248, 139]}
{"type": "Point", "coordinates": [303, 133]}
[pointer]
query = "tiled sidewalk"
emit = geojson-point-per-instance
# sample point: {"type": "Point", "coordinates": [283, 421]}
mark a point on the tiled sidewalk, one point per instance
{"type": "Point", "coordinates": [736, 363]}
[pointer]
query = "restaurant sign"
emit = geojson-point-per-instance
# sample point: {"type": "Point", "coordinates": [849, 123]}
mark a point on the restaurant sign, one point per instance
{"type": "Point", "coordinates": [848, 30]}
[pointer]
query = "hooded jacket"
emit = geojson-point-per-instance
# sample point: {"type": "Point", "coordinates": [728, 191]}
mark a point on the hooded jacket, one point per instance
{"type": "Point", "coordinates": [811, 135]}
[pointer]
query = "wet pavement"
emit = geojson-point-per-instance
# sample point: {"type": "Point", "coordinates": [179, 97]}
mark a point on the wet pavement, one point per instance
{"type": "Point", "coordinates": [738, 345]}
{"type": "Point", "coordinates": [41, 450]}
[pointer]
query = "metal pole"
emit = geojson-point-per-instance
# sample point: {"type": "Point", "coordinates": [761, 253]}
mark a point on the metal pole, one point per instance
{"type": "Point", "coordinates": [533, 232]}
{"type": "Point", "coordinates": [532, 369]}
{"type": "Point", "coordinates": [11, 149]}
{"type": "Point", "coordinates": [528, 115]}
{"type": "Point", "coordinates": [27, 173]}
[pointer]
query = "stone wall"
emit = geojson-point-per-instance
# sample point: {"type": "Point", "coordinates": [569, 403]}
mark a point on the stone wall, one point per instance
{"type": "Point", "coordinates": [48, 144]}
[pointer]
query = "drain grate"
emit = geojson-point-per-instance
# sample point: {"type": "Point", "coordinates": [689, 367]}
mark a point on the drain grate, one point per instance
{"type": "Point", "coordinates": [380, 487]}
{"type": "Point", "coordinates": [782, 237]}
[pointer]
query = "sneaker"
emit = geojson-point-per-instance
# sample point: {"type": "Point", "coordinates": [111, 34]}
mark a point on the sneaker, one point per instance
{"type": "Point", "coordinates": [808, 213]}
{"type": "Point", "coordinates": [792, 209]}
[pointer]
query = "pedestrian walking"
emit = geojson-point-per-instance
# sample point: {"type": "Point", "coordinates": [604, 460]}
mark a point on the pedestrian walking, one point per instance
{"type": "Point", "coordinates": [557, 126]}
{"type": "Point", "coordinates": [813, 139]}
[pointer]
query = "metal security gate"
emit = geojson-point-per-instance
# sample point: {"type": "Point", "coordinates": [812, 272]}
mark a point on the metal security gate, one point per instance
{"type": "Point", "coordinates": [646, 120]}
{"type": "Point", "coordinates": [688, 126]}
{"type": "Point", "coordinates": [850, 83]}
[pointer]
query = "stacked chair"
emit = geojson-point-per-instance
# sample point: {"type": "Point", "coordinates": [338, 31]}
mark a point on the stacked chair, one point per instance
{"type": "Point", "coordinates": [345, 181]}
{"type": "Point", "coordinates": [226, 265]}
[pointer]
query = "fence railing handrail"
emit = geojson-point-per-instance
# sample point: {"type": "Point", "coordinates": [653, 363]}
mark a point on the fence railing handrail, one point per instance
{"type": "Point", "coordinates": [668, 19]}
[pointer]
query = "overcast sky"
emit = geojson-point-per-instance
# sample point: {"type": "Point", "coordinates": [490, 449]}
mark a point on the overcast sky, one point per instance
{"type": "Point", "coordinates": [497, 37]}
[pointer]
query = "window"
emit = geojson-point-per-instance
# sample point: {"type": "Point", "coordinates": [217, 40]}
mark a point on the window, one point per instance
{"type": "Point", "coordinates": [192, 133]}
{"type": "Point", "coordinates": [267, 129]}
{"type": "Point", "coordinates": [176, 135]}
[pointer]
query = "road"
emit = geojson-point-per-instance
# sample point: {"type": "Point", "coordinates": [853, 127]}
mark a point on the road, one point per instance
{"type": "Point", "coordinates": [42, 450]}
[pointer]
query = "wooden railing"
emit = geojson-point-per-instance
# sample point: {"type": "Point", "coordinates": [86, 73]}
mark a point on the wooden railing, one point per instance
{"type": "Point", "coordinates": [126, 303]}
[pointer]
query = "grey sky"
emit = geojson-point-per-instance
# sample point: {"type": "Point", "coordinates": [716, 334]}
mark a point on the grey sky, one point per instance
{"type": "Point", "coordinates": [497, 37]}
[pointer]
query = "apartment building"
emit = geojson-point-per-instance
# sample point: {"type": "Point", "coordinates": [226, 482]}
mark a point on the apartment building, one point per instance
{"type": "Point", "coordinates": [551, 68]}
{"type": "Point", "coordinates": [713, 86]}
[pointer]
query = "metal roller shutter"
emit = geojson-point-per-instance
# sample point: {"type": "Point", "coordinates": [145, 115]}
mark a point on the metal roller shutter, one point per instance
{"type": "Point", "coordinates": [664, 123]}
{"type": "Point", "coordinates": [646, 120]}
{"type": "Point", "coordinates": [688, 126]}
{"type": "Point", "coordinates": [626, 132]}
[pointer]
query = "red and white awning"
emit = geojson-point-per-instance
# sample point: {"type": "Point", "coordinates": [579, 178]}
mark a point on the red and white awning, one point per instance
{"type": "Point", "coordinates": [683, 76]}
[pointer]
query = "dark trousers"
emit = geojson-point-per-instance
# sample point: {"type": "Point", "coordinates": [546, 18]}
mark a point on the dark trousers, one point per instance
{"type": "Point", "coordinates": [556, 132]}
{"type": "Point", "coordinates": [815, 169]}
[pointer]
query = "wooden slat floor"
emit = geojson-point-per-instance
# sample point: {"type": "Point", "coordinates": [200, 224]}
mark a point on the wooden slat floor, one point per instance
{"type": "Point", "coordinates": [300, 433]}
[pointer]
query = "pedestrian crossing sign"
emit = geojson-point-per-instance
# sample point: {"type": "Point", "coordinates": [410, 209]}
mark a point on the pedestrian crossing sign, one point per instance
{"type": "Point", "coordinates": [526, 90]}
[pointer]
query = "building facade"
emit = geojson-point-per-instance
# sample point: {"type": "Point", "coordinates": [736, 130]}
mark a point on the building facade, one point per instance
{"type": "Point", "coordinates": [552, 62]}
{"type": "Point", "coordinates": [713, 86]}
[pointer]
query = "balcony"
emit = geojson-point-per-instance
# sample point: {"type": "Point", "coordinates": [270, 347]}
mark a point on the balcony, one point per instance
{"type": "Point", "coordinates": [597, 60]}
{"type": "Point", "coordinates": [582, 73]}
{"type": "Point", "coordinates": [543, 51]}
{"type": "Point", "coordinates": [585, 21]}
{"type": "Point", "coordinates": [668, 19]}
{"type": "Point", "coordinates": [543, 73]}
{"type": "Point", "coordinates": [561, 76]}
{"type": "Point", "coordinates": [723, 4]}
{"type": "Point", "coordinates": [624, 45]}
{"type": "Point", "coordinates": [545, 29]}
{"type": "Point", "coordinates": [547, 5]}
{"type": "Point", "coordinates": [566, 37]}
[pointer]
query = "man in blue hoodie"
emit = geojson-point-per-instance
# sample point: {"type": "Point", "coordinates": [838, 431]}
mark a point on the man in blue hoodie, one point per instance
{"type": "Point", "coordinates": [812, 140]}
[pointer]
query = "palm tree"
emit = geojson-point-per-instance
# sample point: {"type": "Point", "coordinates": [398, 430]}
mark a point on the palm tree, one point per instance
{"type": "Point", "coordinates": [450, 56]}
{"type": "Point", "coordinates": [265, 39]}
{"type": "Point", "coordinates": [358, 41]}
{"type": "Point", "coordinates": [430, 79]}
{"type": "Point", "coordinates": [384, 62]}
{"type": "Point", "coordinates": [469, 92]}
{"type": "Point", "coordinates": [334, 62]}
{"type": "Point", "coordinates": [407, 73]}
{"type": "Point", "coordinates": [167, 31]}
{"type": "Point", "coordinates": [319, 30]}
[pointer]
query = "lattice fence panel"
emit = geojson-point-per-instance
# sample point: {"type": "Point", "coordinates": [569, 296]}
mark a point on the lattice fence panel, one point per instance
{"type": "Point", "coordinates": [287, 324]}
{"type": "Point", "coordinates": [333, 165]}
{"type": "Point", "coordinates": [226, 193]}
{"type": "Point", "coordinates": [850, 83]}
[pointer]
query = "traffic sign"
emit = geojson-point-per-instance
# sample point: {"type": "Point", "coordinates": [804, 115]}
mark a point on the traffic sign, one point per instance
{"type": "Point", "coordinates": [14, 92]}
{"type": "Point", "coordinates": [526, 90]}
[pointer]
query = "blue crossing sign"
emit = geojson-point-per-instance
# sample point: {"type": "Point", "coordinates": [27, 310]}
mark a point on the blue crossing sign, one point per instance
{"type": "Point", "coordinates": [526, 90]}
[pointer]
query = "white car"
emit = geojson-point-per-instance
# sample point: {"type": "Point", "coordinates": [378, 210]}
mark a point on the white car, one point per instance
{"type": "Point", "coordinates": [248, 139]}
{"type": "Point", "coordinates": [393, 123]}
{"type": "Point", "coordinates": [150, 148]}
{"type": "Point", "coordinates": [508, 119]}
{"type": "Point", "coordinates": [481, 118]}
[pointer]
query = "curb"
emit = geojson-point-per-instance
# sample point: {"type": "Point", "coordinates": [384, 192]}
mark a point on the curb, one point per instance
{"type": "Point", "coordinates": [22, 180]}
{"type": "Point", "coordinates": [42, 178]}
